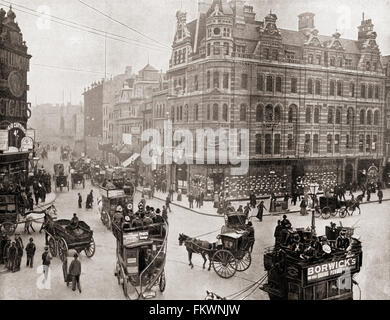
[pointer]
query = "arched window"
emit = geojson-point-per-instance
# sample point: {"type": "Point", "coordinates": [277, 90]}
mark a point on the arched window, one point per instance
{"type": "Point", "coordinates": [196, 112]}
{"type": "Point", "coordinates": [259, 113]}
{"type": "Point", "coordinates": [269, 110]}
{"type": "Point", "coordinates": [362, 116]}
{"type": "Point", "coordinates": [277, 114]}
{"type": "Point", "coordinates": [330, 116]}
{"type": "Point", "coordinates": [225, 112]}
{"type": "Point", "coordinates": [370, 91]}
{"type": "Point", "coordinates": [338, 116]}
{"type": "Point", "coordinates": [278, 84]}
{"type": "Point", "coordinates": [318, 87]}
{"type": "Point", "coordinates": [331, 88]}
{"type": "Point", "coordinates": [216, 79]}
{"type": "Point", "coordinates": [369, 117]}
{"type": "Point", "coordinates": [317, 115]}
{"type": "Point", "coordinates": [292, 114]}
{"type": "Point", "coordinates": [310, 86]}
{"type": "Point", "coordinates": [339, 88]}
{"type": "Point", "coordinates": [215, 112]}
{"type": "Point", "coordinates": [243, 112]}
{"type": "Point", "coordinates": [308, 115]}
{"type": "Point", "coordinates": [376, 117]}
{"type": "Point", "coordinates": [258, 144]}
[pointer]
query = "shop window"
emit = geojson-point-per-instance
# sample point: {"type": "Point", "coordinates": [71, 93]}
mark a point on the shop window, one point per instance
{"type": "Point", "coordinates": [310, 86]}
{"type": "Point", "coordinates": [361, 143]}
{"type": "Point", "coordinates": [369, 117]}
{"type": "Point", "coordinates": [338, 116]}
{"type": "Point", "coordinates": [315, 143]}
{"type": "Point", "coordinates": [277, 114]}
{"type": "Point", "coordinates": [225, 112]}
{"type": "Point", "coordinates": [329, 147]}
{"type": "Point", "coordinates": [308, 115]}
{"type": "Point", "coordinates": [320, 291]}
{"type": "Point", "coordinates": [362, 116]}
{"type": "Point", "coordinates": [277, 144]}
{"type": "Point", "coordinates": [317, 115]}
{"type": "Point", "coordinates": [216, 79]}
{"type": "Point", "coordinates": [318, 87]}
{"type": "Point", "coordinates": [259, 113]}
{"type": "Point", "coordinates": [269, 84]}
{"type": "Point", "coordinates": [258, 143]}
{"type": "Point", "coordinates": [269, 110]}
{"type": "Point", "coordinates": [368, 143]}
{"type": "Point", "coordinates": [309, 293]}
{"type": "Point", "coordinates": [260, 82]}
{"type": "Point", "coordinates": [268, 144]}
{"type": "Point", "coordinates": [290, 142]}
{"type": "Point", "coordinates": [376, 117]}
{"type": "Point", "coordinates": [333, 289]}
{"type": "Point", "coordinates": [244, 81]}
{"type": "Point", "coordinates": [294, 85]}
{"type": "Point", "coordinates": [345, 284]}
{"type": "Point", "coordinates": [337, 143]}
{"type": "Point", "coordinates": [331, 88]}
{"type": "Point", "coordinates": [330, 116]}
{"type": "Point", "coordinates": [215, 112]}
{"type": "Point", "coordinates": [243, 112]}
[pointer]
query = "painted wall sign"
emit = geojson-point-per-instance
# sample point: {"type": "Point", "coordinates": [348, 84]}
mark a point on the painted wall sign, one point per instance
{"type": "Point", "coordinates": [26, 144]}
{"type": "Point", "coordinates": [14, 109]}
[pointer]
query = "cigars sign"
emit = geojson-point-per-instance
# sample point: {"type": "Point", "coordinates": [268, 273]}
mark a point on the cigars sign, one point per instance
{"type": "Point", "coordinates": [333, 268]}
{"type": "Point", "coordinates": [10, 108]}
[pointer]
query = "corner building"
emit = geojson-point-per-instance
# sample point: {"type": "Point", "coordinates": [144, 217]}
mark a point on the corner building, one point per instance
{"type": "Point", "coordinates": [313, 104]}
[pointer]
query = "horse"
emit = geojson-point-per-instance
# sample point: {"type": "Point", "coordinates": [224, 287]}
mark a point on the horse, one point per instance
{"type": "Point", "coordinates": [213, 296]}
{"type": "Point", "coordinates": [196, 246]}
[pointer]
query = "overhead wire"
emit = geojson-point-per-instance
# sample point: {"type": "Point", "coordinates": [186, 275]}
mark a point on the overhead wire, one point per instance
{"type": "Point", "coordinates": [67, 68]}
{"type": "Point", "coordinates": [123, 24]}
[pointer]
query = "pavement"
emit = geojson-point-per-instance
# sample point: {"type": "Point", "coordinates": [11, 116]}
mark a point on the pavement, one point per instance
{"type": "Point", "coordinates": [209, 210]}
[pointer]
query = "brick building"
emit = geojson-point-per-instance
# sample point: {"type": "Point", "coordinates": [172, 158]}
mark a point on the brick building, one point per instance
{"type": "Point", "coordinates": [313, 104]}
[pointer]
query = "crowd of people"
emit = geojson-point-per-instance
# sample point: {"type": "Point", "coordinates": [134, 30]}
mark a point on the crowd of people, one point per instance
{"type": "Point", "coordinates": [12, 251]}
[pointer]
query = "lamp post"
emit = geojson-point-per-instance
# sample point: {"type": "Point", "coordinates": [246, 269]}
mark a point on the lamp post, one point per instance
{"type": "Point", "coordinates": [313, 192]}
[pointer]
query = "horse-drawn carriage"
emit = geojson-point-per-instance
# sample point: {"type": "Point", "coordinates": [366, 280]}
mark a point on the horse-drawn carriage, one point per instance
{"type": "Point", "coordinates": [332, 206]}
{"type": "Point", "coordinates": [141, 254]}
{"type": "Point", "coordinates": [63, 236]}
{"type": "Point", "coordinates": [77, 178]}
{"type": "Point", "coordinates": [97, 175]}
{"type": "Point", "coordinates": [231, 252]}
{"type": "Point", "coordinates": [10, 208]}
{"type": "Point", "coordinates": [60, 178]}
{"type": "Point", "coordinates": [64, 156]}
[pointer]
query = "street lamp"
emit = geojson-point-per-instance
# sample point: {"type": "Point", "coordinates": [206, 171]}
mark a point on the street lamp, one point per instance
{"type": "Point", "coordinates": [313, 192]}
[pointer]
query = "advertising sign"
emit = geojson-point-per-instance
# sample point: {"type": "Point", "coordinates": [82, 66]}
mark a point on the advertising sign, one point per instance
{"type": "Point", "coordinates": [3, 140]}
{"type": "Point", "coordinates": [332, 268]}
{"type": "Point", "coordinates": [26, 144]}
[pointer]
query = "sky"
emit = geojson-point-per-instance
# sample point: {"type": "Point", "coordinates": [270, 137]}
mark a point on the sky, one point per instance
{"type": "Point", "coordinates": [56, 48]}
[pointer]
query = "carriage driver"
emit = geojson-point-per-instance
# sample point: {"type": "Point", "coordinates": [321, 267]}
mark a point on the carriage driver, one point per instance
{"type": "Point", "coordinates": [74, 222]}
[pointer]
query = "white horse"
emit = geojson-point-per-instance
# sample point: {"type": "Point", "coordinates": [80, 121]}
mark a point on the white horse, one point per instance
{"type": "Point", "coordinates": [39, 217]}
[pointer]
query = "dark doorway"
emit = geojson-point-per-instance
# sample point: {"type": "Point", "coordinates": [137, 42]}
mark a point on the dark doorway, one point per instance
{"type": "Point", "coordinates": [348, 173]}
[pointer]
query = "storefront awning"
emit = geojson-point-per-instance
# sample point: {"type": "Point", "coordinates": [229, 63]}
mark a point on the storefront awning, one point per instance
{"type": "Point", "coordinates": [130, 160]}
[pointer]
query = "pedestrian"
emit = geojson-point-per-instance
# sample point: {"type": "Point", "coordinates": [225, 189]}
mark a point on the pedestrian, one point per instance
{"type": "Point", "coordinates": [201, 198]}
{"type": "Point", "coordinates": [303, 207]}
{"type": "Point", "coordinates": [191, 200]}
{"type": "Point", "coordinates": [278, 233]}
{"type": "Point", "coordinates": [179, 195]}
{"type": "Point", "coordinates": [30, 252]}
{"type": "Point", "coordinates": [368, 194]}
{"type": "Point", "coordinates": [20, 247]}
{"type": "Point", "coordinates": [167, 202]}
{"type": "Point", "coordinates": [247, 209]}
{"type": "Point", "coordinates": [12, 256]}
{"type": "Point", "coordinates": [80, 201]}
{"type": "Point", "coordinates": [75, 272]}
{"type": "Point", "coordinates": [46, 258]}
{"type": "Point", "coordinates": [380, 195]}
{"type": "Point", "coordinates": [3, 242]}
{"type": "Point", "coordinates": [165, 213]}
{"type": "Point", "coordinates": [260, 211]}
{"type": "Point", "coordinates": [43, 191]}
{"type": "Point", "coordinates": [36, 193]}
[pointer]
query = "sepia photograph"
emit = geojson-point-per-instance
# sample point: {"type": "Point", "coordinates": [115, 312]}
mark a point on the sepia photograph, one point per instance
{"type": "Point", "coordinates": [194, 150]}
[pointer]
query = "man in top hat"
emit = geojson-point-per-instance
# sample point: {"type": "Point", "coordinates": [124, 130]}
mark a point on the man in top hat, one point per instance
{"type": "Point", "coordinates": [75, 272]}
{"type": "Point", "coordinates": [30, 252]}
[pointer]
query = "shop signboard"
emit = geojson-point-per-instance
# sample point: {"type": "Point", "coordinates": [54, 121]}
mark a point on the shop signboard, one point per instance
{"type": "Point", "coordinates": [3, 140]}
{"type": "Point", "coordinates": [26, 144]}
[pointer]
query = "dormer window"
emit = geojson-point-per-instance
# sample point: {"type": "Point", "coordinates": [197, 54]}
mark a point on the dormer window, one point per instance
{"type": "Point", "coordinates": [368, 65]}
{"type": "Point", "coordinates": [332, 61]}
{"type": "Point", "coordinates": [318, 59]}
{"type": "Point", "coordinates": [266, 53]}
{"type": "Point", "coordinates": [310, 59]}
{"type": "Point", "coordinates": [340, 64]}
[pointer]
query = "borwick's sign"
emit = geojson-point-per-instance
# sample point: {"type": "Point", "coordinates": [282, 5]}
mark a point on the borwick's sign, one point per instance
{"type": "Point", "coordinates": [328, 269]}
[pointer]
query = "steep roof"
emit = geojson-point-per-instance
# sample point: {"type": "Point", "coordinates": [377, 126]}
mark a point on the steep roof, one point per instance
{"type": "Point", "coordinates": [148, 67]}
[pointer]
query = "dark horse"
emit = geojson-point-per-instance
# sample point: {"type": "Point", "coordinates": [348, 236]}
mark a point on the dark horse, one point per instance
{"type": "Point", "coordinates": [196, 246]}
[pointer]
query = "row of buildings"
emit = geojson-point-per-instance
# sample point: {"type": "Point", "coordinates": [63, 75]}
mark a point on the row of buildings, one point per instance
{"type": "Point", "coordinates": [314, 105]}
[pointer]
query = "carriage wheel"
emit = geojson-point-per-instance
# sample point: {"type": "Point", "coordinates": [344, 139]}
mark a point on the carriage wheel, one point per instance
{"type": "Point", "coordinates": [162, 284]}
{"type": "Point", "coordinates": [9, 228]}
{"type": "Point", "coordinates": [90, 251]}
{"type": "Point", "coordinates": [224, 264]}
{"type": "Point", "coordinates": [343, 213]}
{"type": "Point", "coordinates": [62, 249]}
{"type": "Point", "coordinates": [326, 213]}
{"type": "Point", "coordinates": [52, 247]}
{"type": "Point", "coordinates": [335, 213]}
{"type": "Point", "coordinates": [244, 263]}
{"type": "Point", "coordinates": [118, 272]}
